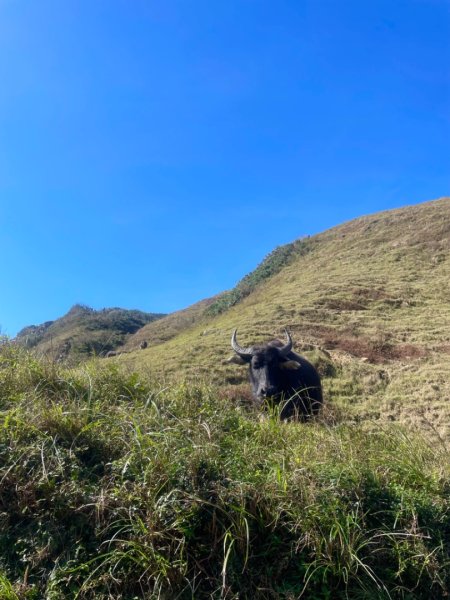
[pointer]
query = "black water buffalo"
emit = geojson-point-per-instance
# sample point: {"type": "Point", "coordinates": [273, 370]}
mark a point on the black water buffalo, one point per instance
{"type": "Point", "coordinates": [281, 376]}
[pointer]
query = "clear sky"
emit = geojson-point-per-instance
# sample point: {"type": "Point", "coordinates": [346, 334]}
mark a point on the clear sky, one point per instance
{"type": "Point", "coordinates": [152, 152]}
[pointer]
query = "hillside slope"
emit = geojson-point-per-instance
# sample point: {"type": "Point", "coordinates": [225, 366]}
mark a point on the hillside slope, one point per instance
{"type": "Point", "coordinates": [84, 331]}
{"type": "Point", "coordinates": [169, 326]}
{"type": "Point", "coordinates": [373, 293]}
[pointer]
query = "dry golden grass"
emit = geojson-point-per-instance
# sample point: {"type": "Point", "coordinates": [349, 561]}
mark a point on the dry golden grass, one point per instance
{"type": "Point", "coordinates": [373, 292]}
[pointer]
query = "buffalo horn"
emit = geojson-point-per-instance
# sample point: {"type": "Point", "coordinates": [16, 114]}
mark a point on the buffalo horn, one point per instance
{"type": "Point", "coordinates": [242, 352]}
{"type": "Point", "coordinates": [288, 346]}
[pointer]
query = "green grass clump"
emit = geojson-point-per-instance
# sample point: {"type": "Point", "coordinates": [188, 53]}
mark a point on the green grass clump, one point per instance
{"type": "Point", "coordinates": [113, 487]}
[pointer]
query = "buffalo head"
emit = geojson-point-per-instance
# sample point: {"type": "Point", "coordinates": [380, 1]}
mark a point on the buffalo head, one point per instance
{"type": "Point", "coordinates": [279, 374]}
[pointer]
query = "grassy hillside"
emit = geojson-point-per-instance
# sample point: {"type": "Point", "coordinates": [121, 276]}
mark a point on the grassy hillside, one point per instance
{"type": "Point", "coordinates": [166, 328]}
{"type": "Point", "coordinates": [83, 332]}
{"type": "Point", "coordinates": [373, 293]}
{"type": "Point", "coordinates": [114, 487]}
{"type": "Point", "coordinates": [151, 476]}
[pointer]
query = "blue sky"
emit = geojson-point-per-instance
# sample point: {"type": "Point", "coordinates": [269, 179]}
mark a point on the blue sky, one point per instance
{"type": "Point", "coordinates": [153, 152]}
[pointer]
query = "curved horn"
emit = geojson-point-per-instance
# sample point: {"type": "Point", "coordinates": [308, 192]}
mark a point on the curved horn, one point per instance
{"type": "Point", "coordinates": [243, 352]}
{"type": "Point", "coordinates": [288, 346]}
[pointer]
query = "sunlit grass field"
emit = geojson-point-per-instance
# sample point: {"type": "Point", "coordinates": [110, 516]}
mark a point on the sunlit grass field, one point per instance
{"type": "Point", "coordinates": [116, 486]}
{"type": "Point", "coordinates": [368, 302]}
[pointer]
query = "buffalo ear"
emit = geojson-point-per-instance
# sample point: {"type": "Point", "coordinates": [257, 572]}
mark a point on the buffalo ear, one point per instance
{"type": "Point", "coordinates": [291, 365]}
{"type": "Point", "coordinates": [236, 359]}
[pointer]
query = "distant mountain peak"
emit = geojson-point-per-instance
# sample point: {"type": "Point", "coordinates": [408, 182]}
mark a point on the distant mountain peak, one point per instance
{"type": "Point", "coordinates": [84, 331]}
